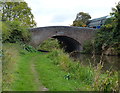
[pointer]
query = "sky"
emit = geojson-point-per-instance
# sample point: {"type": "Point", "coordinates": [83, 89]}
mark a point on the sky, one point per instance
{"type": "Point", "coordinates": [63, 12]}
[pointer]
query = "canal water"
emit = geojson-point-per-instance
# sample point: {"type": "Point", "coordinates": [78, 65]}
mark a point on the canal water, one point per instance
{"type": "Point", "coordinates": [109, 62]}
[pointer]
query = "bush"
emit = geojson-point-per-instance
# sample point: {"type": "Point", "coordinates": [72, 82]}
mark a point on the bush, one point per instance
{"type": "Point", "coordinates": [107, 81]}
{"type": "Point", "coordinates": [109, 34]}
{"type": "Point", "coordinates": [5, 31]}
{"type": "Point", "coordinates": [13, 32]}
{"type": "Point", "coordinates": [49, 45]}
{"type": "Point", "coordinates": [29, 48]}
{"type": "Point", "coordinates": [87, 47]}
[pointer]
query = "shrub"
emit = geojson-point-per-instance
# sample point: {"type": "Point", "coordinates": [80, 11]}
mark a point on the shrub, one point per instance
{"type": "Point", "coordinates": [107, 81]}
{"type": "Point", "coordinates": [88, 47]}
{"type": "Point", "coordinates": [49, 45]}
{"type": "Point", "coordinates": [29, 48]}
{"type": "Point", "coordinates": [5, 31]}
{"type": "Point", "coordinates": [13, 32]}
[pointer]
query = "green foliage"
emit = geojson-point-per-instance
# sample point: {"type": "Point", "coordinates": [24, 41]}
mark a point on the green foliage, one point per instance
{"type": "Point", "coordinates": [29, 48]}
{"type": "Point", "coordinates": [109, 20]}
{"type": "Point", "coordinates": [10, 57]}
{"type": "Point", "coordinates": [76, 70]}
{"type": "Point", "coordinates": [49, 45]}
{"type": "Point", "coordinates": [87, 47]}
{"type": "Point", "coordinates": [78, 23]}
{"type": "Point", "coordinates": [107, 81]}
{"type": "Point", "coordinates": [5, 31]}
{"type": "Point", "coordinates": [103, 37]}
{"type": "Point", "coordinates": [18, 11]}
{"type": "Point", "coordinates": [93, 77]}
{"type": "Point", "coordinates": [16, 19]}
{"type": "Point", "coordinates": [116, 14]}
{"type": "Point", "coordinates": [54, 69]}
{"type": "Point", "coordinates": [109, 35]}
{"type": "Point", "coordinates": [14, 31]}
{"type": "Point", "coordinates": [81, 19]}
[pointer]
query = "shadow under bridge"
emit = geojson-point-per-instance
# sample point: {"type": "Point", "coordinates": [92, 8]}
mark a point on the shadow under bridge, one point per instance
{"type": "Point", "coordinates": [68, 44]}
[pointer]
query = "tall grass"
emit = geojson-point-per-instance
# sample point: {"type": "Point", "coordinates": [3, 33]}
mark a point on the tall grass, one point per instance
{"type": "Point", "coordinates": [105, 81]}
{"type": "Point", "coordinates": [9, 64]}
{"type": "Point", "coordinates": [50, 66]}
{"type": "Point", "coordinates": [92, 76]}
{"type": "Point", "coordinates": [77, 70]}
{"type": "Point", "coordinates": [16, 68]}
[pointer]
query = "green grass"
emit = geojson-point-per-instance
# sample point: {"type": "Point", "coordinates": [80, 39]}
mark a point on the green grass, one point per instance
{"type": "Point", "coordinates": [17, 75]}
{"type": "Point", "coordinates": [53, 77]}
{"type": "Point", "coordinates": [51, 69]}
{"type": "Point", "coordinates": [24, 77]}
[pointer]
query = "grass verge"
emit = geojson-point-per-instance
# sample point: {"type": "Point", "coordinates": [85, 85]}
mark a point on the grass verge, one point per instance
{"type": "Point", "coordinates": [56, 71]}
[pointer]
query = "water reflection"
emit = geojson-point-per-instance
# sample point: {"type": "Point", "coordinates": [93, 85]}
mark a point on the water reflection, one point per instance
{"type": "Point", "coordinates": [110, 62]}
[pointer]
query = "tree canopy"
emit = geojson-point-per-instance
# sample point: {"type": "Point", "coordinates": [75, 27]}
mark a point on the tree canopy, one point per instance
{"type": "Point", "coordinates": [18, 11]}
{"type": "Point", "coordinates": [116, 14]}
{"type": "Point", "coordinates": [16, 19]}
{"type": "Point", "coordinates": [109, 34]}
{"type": "Point", "coordinates": [81, 19]}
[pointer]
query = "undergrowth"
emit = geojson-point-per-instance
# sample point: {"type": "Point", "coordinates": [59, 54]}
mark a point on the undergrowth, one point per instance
{"type": "Point", "coordinates": [92, 76]}
{"type": "Point", "coordinates": [9, 64]}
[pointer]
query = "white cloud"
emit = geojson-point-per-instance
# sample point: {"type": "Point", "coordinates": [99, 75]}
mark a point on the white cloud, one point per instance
{"type": "Point", "coordinates": [63, 12]}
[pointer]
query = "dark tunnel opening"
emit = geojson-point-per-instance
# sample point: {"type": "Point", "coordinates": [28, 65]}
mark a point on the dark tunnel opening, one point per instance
{"type": "Point", "coordinates": [68, 44]}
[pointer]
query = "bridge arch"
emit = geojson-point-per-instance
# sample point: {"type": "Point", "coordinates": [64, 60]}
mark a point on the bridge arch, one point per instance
{"type": "Point", "coordinates": [69, 44]}
{"type": "Point", "coordinates": [73, 37]}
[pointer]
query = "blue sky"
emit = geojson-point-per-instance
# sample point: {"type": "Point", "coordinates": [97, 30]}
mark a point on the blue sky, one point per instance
{"type": "Point", "coordinates": [63, 12]}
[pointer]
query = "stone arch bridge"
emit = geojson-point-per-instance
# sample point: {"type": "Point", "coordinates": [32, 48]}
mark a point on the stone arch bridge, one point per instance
{"type": "Point", "coordinates": [71, 37]}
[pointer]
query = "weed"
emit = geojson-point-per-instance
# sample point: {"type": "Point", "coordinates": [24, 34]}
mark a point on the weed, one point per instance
{"type": "Point", "coordinates": [107, 81]}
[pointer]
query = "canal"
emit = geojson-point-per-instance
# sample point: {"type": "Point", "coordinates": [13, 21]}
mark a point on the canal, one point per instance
{"type": "Point", "coordinates": [109, 62]}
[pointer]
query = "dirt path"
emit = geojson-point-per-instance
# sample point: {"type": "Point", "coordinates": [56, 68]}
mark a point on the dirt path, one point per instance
{"type": "Point", "coordinates": [36, 77]}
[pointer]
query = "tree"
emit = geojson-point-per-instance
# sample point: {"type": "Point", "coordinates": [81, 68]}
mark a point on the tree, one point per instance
{"type": "Point", "coordinates": [81, 19]}
{"type": "Point", "coordinates": [108, 36]}
{"type": "Point", "coordinates": [13, 31]}
{"type": "Point", "coordinates": [116, 14]}
{"type": "Point", "coordinates": [16, 19]}
{"type": "Point", "coordinates": [18, 11]}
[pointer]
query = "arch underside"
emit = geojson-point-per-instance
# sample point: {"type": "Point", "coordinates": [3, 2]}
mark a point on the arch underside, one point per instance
{"type": "Point", "coordinates": [68, 44]}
